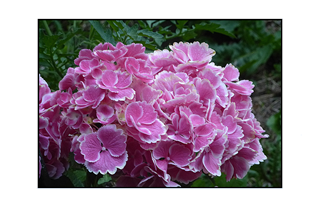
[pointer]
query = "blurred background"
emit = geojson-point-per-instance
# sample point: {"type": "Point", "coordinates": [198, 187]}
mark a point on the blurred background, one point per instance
{"type": "Point", "coordinates": [253, 46]}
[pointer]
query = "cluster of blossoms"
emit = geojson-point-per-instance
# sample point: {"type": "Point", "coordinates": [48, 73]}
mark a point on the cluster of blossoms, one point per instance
{"type": "Point", "coordinates": [150, 120]}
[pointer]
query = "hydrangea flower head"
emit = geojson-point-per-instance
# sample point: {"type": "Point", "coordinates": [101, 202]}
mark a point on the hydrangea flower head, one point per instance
{"type": "Point", "coordinates": [150, 120]}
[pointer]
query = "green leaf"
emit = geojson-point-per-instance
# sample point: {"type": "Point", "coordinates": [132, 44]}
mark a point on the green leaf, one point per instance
{"type": "Point", "coordinates": [50, 41]}
{"type": "Point", "coordinates": [142, 24]}
{"type": "Point", "coordinates": [274, 123]}
{"type": "Point", "coordinates": [181, 23]}
{"type": "Point", "coordinates": [104, 179]}
{"type": "Point", "coordinates": [222, 182]}
{"type": "Point", "coordinates": [157, 23]}
{"type": "Point", "coordinates": [213, 27]}
{"type": "Point", "coordinates": [77, 177]}
{"type": "Point", "coordinates": [251, 61]}
{"type": "Point", "coordinates": [149, 22]}
{"type": "Point", "coordinates": [132, 32]}
{"type": "Point", "coordinates": [66, 39]}
{"type": "Point", "coordinates": [105, 33]}
{"type": "Point", "coordinates": [158, 38]}
{"type": "Point", "coordinates": [190, 34]}
{"type": "Point", "coordinates": [203, 181]}
{"type": "Point", "coordinates": [113, 25]}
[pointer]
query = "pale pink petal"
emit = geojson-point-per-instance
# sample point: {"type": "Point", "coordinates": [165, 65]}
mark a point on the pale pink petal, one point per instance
{"type": "Point", "coordinates": [214, 79]}
{"type": "Point", "coordinates": [180, 51]}
{"type": "Point", "coordinates": [182, 175]}
{"type": "Point", "coordinates": [135, 111]}
{"type": "Point", "coordinates": [91, 147]}
{"type": "Point", "coordinates": [132, 65]}
{"type": "Point", "coordinates": [206, 91]}
{"type": "Point", "coordinates": [201, 142]}
{"type": "Point", "coordinates": [149, 141]}
{"type": "Point", "coordinates": [162, 150]}
{"type": "Point", "coordinates": [104, 112]}
{"type": "Point", "coordinates": [104, 55]}
{"type": "Point", "coordinates": [180, 154]}
{"type": "Point", "coordinates": [197, 52]}
{"type": "Point", "coordinates": [185, 126]}
{"type": "Point", "coordinates": [107, 163]}
{"type": "Point", "coordinates": [113, 139]}
{"type": "Point", "coordinates": [229, 122]}
{"type": "Point", "coordinates": [149, 114]}
{"type": "Point", "coordinates": [228, 169]}
{"type": "Point", "coordinates": [92, 93]}
{"type": "Point", "coordinates": [121, 94]}
{"type": "Point", "coordinates": [68, 81]}
{"type": "Point", "coordinates": [218, 145]}
{"type": "Point", "coordinates": [212, 164]}
{"type": "Point", "coordinates": [134, 49]}
{"type": "Point", "coordinates": [231, 73]}
{"type": "Point", "coordinates": [162, 164]}
{"type": "Point", "coordinates": [204, 130]}
{"type": "Point", "coordinates": [196, 120]}
{"type": "Point", "coordinates": [157, 127]}
{"type": "Point", "coordinates": [124, 80]}
{"type": "Point", "coordinates": [140, 127]}
{"type": "Point", "coordinates": [109, 78]}
{"type": "Point", "coordinates": [240, 166]}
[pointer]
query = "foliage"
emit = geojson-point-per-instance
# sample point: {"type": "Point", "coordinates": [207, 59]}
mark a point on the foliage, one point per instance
{"type": "Point", "coordinates": [252, 45]}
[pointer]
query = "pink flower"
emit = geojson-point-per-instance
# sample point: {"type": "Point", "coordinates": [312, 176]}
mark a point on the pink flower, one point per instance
{"type": "Point", "coordinates": [43, 88]}
{"type": "Point", "coordinates": [118, 84]}
{"type": "Point", "coordinates": [105, 114]}
{"type": "Point", "coordinates": [105, 151]}
{"type": "Point", "coordinates": [230, 73]}
{"type": "Point", "coordinates": [181, 128]}
{"type": "Point", "coordinates": [168, 152]}
{"type": "Point", "coordinates": [182, 175]}
{"type": "Point", "coordinates": [91, 96]}
{"type": "Point", "coordinates": [84, 54]}
{"type": "Point", "coordinates": [143, 118]}
{"type": "Point", "coordinates": [238, 165]}
{"type": "Point", "coordinates": [161, 60]}
{"type": "Point", "coordinates": [139, 68]}
{"type": "Point", "coordinates": [87, 66]}
{"type": "Point", "coordinates": [185, 52]}
{"type": "Point", "coordinates": [70, 80]}
{"type": "Point", "coordinates": [209, 158]}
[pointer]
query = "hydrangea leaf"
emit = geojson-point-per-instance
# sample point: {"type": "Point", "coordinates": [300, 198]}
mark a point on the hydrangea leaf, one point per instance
{"type": "Point", "coordinates": [77, 177]}
{"type": "Point", "coordinates": [203, 181]}
{"type": "Point", "coordinates": [106, 35]}
{"type": "Point", "coordinates": [221, 181]}
{"type": "Point", "coordinates": [106, 178]}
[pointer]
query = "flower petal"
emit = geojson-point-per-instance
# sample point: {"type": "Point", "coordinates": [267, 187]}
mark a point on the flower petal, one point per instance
{"type": "Point", "coordinates": [107, 163]}
{"type": "Point", "coordinates": [180, 154]}
{"type": "Point", "coordinates": [113, 139]}
{"type": "Point", "coordinates": [91, 147]}
{"type": "Point", "coordinates": [135, 111]}
{"type": "Point", "coordinates": [121, 94]}
{"type": "Point", "coordinates": [212, 164]}
{"type": "Point", "coordinates": [109, 78]}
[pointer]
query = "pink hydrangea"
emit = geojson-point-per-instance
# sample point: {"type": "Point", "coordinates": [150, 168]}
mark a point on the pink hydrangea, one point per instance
{"type": "Point", "coordinates": [105, 150]}
{"type": "Point", "coordinates": [150, 120]}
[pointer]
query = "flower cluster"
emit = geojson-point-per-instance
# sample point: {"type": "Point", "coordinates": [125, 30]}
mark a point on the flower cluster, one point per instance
{"type": "Point", "coordinates": [150, 120]}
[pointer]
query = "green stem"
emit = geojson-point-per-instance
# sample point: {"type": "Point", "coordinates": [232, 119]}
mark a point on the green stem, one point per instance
{"type": "Point", "coordinates": [47, 28]}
